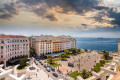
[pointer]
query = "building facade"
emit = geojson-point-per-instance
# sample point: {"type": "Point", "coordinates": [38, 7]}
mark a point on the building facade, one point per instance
{"type": "Point", "coordinates": [13, 47]}
{"type": "Point", "coordinates": [43, 47]}
{"type": "Point", "coordinates": [57, 46]}
{"type": "Point", "coordinates": [47, 44]}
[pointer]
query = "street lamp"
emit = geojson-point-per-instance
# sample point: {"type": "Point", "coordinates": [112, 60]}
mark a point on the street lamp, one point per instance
{"type": "Point", "coordinates": [58, 66]}
{"type": "Point", "coordinates": [79, 64]}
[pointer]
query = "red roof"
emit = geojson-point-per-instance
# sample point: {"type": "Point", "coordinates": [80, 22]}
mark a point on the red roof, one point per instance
{"type": "Point", "coordinates": [57, 41]}
{"type": "Point", "coordinates": [116, 76]}
{"type": "Point", "coordinates": [12, 36]}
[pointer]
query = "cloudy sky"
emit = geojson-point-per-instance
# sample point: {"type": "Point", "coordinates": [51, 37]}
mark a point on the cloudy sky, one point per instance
{"type": "Point", "coordinates": [78, 18]}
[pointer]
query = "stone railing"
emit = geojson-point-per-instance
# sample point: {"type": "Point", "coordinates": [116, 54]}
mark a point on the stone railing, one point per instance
{"type": "Point", "coordinates": [8, 74]}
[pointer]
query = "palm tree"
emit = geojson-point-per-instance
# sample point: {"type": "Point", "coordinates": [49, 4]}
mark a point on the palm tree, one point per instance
{"type": "Point", "coordinates": [106, 55]}
{"type": "Point", "coordinates": [84, 74]}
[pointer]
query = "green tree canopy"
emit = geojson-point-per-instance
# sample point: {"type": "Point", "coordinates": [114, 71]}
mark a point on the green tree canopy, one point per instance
{"type": "Point", "coordinates": [86, 50]}
{"type": "Point", "coordinates": [32, 52]}
{"type": "Point", "coordinates": [50, 59]}
{"type": "Point", "coordinates": [78, 50]}
{"type": "Point", "coordinates": [65, 55]}
{"type": "Point", "coordinates": [106, 55]}
{"type": "Point", "coordinates": [73, 50]}
{"type": "Point", "coordinates": [23, 62]}
{"type": "Point", "coordinates": [67, 51]}
{"type": "Point", "coordinates": [84, 74]}
{"type": "Point", "coordinates": [62, 56]}
{"type": "Point", "coordinates": [102, 62]}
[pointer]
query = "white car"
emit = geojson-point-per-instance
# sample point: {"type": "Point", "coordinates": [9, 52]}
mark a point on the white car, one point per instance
{"type": "Point", "coordinates": [48, 69]}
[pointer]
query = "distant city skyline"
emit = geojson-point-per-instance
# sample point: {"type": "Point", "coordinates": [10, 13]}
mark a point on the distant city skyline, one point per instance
{"type": "Point", "coordinates": [77, 18]}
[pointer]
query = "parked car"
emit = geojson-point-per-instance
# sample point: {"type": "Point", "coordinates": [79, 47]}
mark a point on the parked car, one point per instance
{"type": "Point", "coordinates": [45, 65]}
{"type": "Point", "coordinates": [53, 69]}
{"type": "Point", "coordinates": [36, 63]}
{"type": "Point", "coordinates": [54, 74]}
{"type": "Point", "coordinates": [39, 61]}
{"type": "Point", "coordinates": [71, 64]}
{"type": "Point", "coordinates": [48, 69]}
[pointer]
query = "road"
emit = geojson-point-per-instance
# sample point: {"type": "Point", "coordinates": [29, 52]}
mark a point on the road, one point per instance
{"type": "Point", "coordinates": [49, 73]}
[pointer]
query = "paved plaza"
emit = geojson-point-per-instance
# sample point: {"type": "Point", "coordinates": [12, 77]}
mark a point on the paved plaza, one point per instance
{"type": "Point", "coordinates": [83, 61]}
{"type": "Point", "coordinates": [36, 74]}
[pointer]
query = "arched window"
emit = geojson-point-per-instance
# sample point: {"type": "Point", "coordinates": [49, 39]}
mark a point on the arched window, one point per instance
{"type": "Point", "coordinates": [1, 47]}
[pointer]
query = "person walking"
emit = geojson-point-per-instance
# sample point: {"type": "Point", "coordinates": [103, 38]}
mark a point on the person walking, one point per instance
{"type": "Point", "coordinates": [36, 75]}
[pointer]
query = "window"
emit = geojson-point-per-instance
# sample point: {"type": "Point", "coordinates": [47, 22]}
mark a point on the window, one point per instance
{"type": "Point", "coordinates": [2, 41]}
{"type": "Point", "coordinates": [1, 56]}
{"type": "Point", "coordinates": [1, 47]}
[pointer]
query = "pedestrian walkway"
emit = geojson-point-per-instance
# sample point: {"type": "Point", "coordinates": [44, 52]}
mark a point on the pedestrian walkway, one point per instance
{"type": "Point", "coordinates": [36, 74]}
{"type": "Point", "coordinates": [14, 70]}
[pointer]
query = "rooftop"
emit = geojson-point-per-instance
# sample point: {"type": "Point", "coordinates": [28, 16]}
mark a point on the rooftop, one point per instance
{"type": "Point", "coordinates": [12, 36]}
{"type": "Point", "coordinates": [57, 41]}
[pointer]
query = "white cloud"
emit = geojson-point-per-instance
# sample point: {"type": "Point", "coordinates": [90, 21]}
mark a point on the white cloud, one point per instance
{"type": "Point", "coordinates": [109, 0]}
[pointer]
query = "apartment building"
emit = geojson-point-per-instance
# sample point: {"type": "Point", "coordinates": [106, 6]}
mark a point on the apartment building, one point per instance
{"type": "Point", "coordinates": [43, 47]}
{"type": "Point", "coordinates": [118, 47]}
{"type": "Point", "coordinates": [13, 47]}
{"type": "Point", "coordinates": [47, 44]}
{"type": "Point", "coordinates": [57, 46]}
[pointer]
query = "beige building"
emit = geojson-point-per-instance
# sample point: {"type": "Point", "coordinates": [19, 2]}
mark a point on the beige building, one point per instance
{"type": "Point", "coordinates": [47, 44]}
{"type": "Point", "coordinates": [57, 46]}
{"type": "Point", "coordinates": [43, 47]}
{"type": "Point", "coordinates": [13, 47]}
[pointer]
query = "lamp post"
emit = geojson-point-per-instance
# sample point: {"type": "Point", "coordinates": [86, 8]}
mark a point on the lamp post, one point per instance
{"type": "Point", "coordinates": [79, 64]}
{"type": "Point", "coordinates": [58, 66]}
{"type": "Point", "coordinates": [32, 64]}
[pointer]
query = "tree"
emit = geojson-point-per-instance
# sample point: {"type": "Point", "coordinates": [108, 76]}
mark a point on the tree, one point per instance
{"type": "Point", "coordinates": [32, 52]}
{"type": "Point", "coordinates": [67, 51]}
{"type": "Point", "coordinates": [84, 74]}
{"type": "Point", "coordinates": [73, 50]}
{"type": "Point", "coordinates": [78, 50]}
{"type": "Point", "coordinates": [65, 55]}
{"type": "Point", "coordinates": [102, 62]}
{"type": "Point", "coordinates": [50, 59]}
{"type": "Point", "coordinates": [86, 50]}
{"type": "Point", "coordinates": [62, 56]}
{"type": "Point", "coordinates": [104, 51]}
{"type": "Point", "coordinates": [23, 62]}
{"type": "Point", "coordinates": [106, 55]}
{"type": "Point", "coordinates": [97, 67]}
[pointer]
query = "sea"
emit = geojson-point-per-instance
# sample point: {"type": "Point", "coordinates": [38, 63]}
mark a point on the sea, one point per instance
{"type": "Point", "coordinates": [107, 44]}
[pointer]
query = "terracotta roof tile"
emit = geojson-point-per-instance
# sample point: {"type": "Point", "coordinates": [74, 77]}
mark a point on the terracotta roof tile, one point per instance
{"type": "Point", "coordinates": [12, 36]}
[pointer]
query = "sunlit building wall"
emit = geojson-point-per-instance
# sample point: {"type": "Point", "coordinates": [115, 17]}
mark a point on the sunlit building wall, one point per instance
{"type": "Point", "coordinates": [43, 47]}
{"type": "Point", "coordinates": [57, 43]}
{"type": "Point", "coordinates": [13, 47]}
{"type": "Point", "coordinates": [57, 46]}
